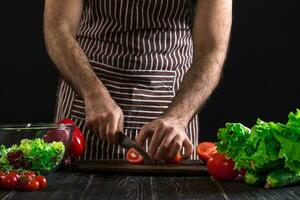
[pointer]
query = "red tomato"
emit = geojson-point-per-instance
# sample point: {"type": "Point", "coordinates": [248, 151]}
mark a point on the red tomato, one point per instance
{"type": "Point", "coordinates": [134, 157]}
{"type": "Point", "coordinates": [205, 150]}
{"type": "Point", "coordinates": [243, 172]}
{"type": "Point", "coordinates": [2, 175]}
{"type": "Point", "coordinates": [15, 173]}
{"type": "Point", "coordinates": [25, 179]}
{"type": "Point", "coordinates": [221, 168]}
{"type": "Point", "coordinates": [42, 182]}
{"type": "Point", "coordinates": [78, 142]}
{"type": "Point", "coordinates": [67, 121]}
{"type": "Point", "coordinates": [176, 160]}
{"type": "Point", "coordinates": [10, 181]}
{"type": "Point", "coordinates": [33, 185]}
{"type": "Point", "coordinates": [29, 174]}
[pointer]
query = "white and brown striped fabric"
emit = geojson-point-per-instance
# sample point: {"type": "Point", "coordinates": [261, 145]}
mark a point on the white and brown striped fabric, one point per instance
{"type": "Point", "coordinates": [140, 50]}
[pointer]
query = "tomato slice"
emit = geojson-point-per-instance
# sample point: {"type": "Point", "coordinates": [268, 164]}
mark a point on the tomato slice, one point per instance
{"type": "Point", "coordinates": [176, 160]}
{"type": "Point", "coordinates": [205, 150]}
{"type": "Point", "coordinates": [134, 157]}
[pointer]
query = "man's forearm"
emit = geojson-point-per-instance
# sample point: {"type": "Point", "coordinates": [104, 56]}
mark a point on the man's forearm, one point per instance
{"type": "Point", "coordinates": [211, 31]}
{"type": "Point", "coordinates": [196, 87]}
{"type": "Point", "coordinates": [71, 61]}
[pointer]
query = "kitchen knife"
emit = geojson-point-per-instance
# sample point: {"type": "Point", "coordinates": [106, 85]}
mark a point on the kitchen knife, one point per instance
{"type": "Point", "coordinates": [128, 143]}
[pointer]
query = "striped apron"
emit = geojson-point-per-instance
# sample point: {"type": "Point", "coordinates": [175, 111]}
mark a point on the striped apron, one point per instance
{"type": "Point", "coordinates": [140, 50]}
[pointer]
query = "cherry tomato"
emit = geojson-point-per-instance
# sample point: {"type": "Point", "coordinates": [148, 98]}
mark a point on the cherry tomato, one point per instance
{"type": "Point", "coordinates": [42, 182]}
{"type": "Point", "coordinates": [33, 185]}
{"type": "Point", "coordinates": [221, 168]}
{"type": "Point", "coordinates": [10, 181]}
{"type": "Point", "coordinates": [25, 179]}
{"type": "Point", "coordinates": [2, 175]}
{"type": "Point", "coordinates": [205, 150]}
{"type": "Point", "coordinates": [29, 175]}
{"type": "Point", "coordinates": [78, 142]}
{"type": "Point", "coordinates": [176, 160]}
{"type": "Point", "coordinates": [15, 173]}
{"type": "Point", "coordinates": [134, 157]}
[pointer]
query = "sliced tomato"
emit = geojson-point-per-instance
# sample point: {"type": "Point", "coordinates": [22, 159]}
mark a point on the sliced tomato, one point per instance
{"type": "Point", "coordinates": [176, 160]}
{"type": "Point", "coordinates": [134, 157]}
{"type": "Point", "coordinates": [205, 150]}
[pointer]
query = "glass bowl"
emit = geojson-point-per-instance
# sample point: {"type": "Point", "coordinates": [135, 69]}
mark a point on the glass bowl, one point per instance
{"type": "Point", "coordinates": [37, 147]}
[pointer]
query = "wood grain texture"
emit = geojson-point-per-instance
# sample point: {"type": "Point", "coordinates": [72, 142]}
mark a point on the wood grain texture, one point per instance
{"type": "Point", "coordinates": [185, 188]}
{"type": "Point", "coordinates": [69, 185]}
{"type": "Point", "coordinates": [236, 190]}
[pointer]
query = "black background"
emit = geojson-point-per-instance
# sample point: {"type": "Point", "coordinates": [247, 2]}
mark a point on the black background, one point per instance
{"type": "Point", "coordinates": [260, 79]}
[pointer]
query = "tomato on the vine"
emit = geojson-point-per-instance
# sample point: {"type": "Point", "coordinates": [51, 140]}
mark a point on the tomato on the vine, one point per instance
{"type": "Point", "coordinates": [10, 181]}
{"type": "Point", "coordinates": [221, 168]}
{"type": "Point", "coordinates": [33, 185]}
{"type": "Point", "coordinates": [26, 178]}
{"type": "Point", "coordinates": [42, 182]}
{"type": "Point", "coordinates": [2, 175]}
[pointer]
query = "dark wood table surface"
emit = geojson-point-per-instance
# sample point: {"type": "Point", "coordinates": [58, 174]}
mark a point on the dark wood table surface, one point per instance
{"type": "Point", "coordinates": [78, 185]}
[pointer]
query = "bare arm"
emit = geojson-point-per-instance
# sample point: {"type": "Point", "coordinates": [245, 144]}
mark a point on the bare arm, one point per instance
{"type": "Point", "coordinates": [61, 20]}
{"type": "Point", "coordinates": [211, 32]}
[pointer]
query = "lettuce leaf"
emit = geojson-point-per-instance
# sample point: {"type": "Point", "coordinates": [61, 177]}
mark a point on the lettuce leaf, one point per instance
{"type": "Point", "coordinates": [268, 145]}
{"type": "Point", "coordinates": [232, 139]}
{"type": "Point", "coordinates": [261, 149]}
{"type": "Point", "coordinates": [39, 155]}
{"type": "Point", "coordinates": [3, 157]}
{"type": "Point", "coordinates": [294, 119]}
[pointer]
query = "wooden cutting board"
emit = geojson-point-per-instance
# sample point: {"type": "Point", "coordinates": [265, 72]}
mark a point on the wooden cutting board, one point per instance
{"type": "Point", "coordinates": [191, 167]}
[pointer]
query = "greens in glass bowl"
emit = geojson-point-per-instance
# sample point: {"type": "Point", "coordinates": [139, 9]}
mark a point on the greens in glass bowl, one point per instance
{"type": "Point", "coordinates": [36, 147]}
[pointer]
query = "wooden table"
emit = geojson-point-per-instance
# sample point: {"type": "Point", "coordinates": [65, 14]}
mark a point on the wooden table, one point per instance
{"type": "Point", "coordinates": [75, 185]}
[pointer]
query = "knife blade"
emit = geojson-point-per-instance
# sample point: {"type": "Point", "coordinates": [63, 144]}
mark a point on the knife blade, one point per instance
{"type": "Point", "coordinates": [128, 143]}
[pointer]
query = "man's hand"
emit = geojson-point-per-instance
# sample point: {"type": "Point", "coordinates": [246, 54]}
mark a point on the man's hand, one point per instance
{"type": "Point", "coordinates": [168, 138]}
{"type": "Point", "coordinates": [104, 117]}
{"type": "Point", "coordinates": [61, 21]}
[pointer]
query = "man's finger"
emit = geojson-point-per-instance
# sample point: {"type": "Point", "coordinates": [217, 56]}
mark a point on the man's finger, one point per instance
{"type": "Point", "coordinates": [121, 124]}
{"type": "Point", "coordinates": [156, 139]}
{"type": "Point", "coordinates": [95, 127]}
{"type": "Point", "coordinates": [111, 130]}
{"type": "Point", "coordinates": [175, 147]}
{"type": "Point", "coordinates": [102, 130]}
{"type": "Point", "coordinates": [162, 150]}
{"type": "Point", "coordinates": [188, 148]}
{"type": "Point", "coordinates": [144, 133]}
